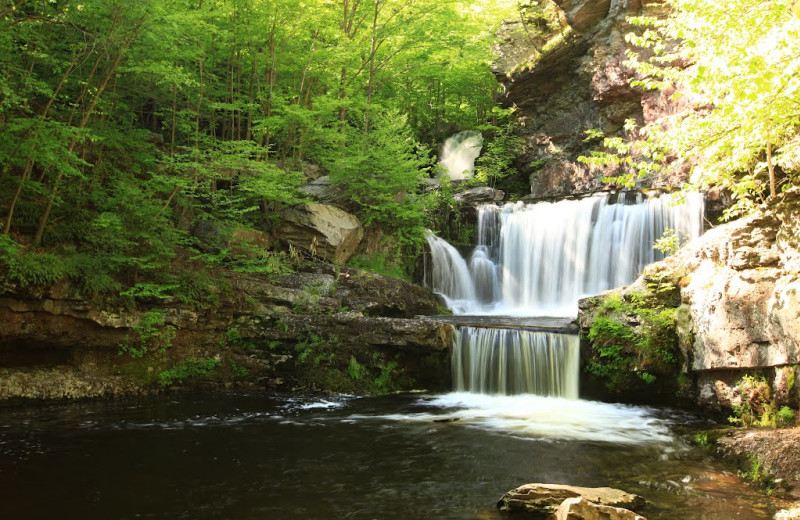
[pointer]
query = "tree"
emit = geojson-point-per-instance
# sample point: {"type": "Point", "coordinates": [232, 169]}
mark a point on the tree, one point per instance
{"type": "Point", "coordinates": [735, 67]}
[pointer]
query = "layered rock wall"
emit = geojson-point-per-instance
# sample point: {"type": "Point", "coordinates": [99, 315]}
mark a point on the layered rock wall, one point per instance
{"type": "Point", "coordinates": [280, 332]}
{"type": "Point", "coordinates": [580, 84]}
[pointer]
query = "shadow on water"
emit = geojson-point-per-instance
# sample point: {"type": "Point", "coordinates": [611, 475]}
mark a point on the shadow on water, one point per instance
{"type": "Point", "coordinates": [399, 457]}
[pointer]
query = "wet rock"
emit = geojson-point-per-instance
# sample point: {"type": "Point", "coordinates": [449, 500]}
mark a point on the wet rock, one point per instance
{"type": "Point", "coordinates": [582, 509]}
{"type": "Point", "coordinates": [545, 499]}
{"type": "Point", "coordinates": [326, 231]}
{"type": "Point", "coordinates": [55, 344]}
{"type": "Point", "coordinates": [774, 449]}
{"type": "Point", "coordinates": [480, 195]}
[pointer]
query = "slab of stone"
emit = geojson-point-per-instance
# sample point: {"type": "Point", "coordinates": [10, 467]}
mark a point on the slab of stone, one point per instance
{"type": "Point", "coordinates": [582, 509]}
{"type": "Point", "coordinates": [543, 500]}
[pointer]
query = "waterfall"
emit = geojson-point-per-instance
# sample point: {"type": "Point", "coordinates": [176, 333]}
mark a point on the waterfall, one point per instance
{"type": "Point", "coordinates": [459, 153]}
{"type": "Point", "coordinates": [514, 361]}
{"type": "Point", "coordinates": [539, 259]}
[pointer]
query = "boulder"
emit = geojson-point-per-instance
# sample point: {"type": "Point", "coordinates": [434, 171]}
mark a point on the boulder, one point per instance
{"type": "Point", "coordinates": [583, 14]}
{"type": "Point", "coordinates": [325, 231]}
{"type": "Point", "coordinates": [480, 195]}
{"type": "Point", "coordinates": [545, 499]}
{"type": "Point", "coordinates": [323, 191]}
{"type": "Point", "coordinates": [582, 509]}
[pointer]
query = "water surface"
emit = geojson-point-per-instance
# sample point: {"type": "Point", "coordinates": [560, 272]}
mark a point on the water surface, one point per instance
{"type": "Point", "coordinates": [404, 457]}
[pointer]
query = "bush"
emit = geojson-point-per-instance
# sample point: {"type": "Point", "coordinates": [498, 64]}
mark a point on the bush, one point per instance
{"type": "Point", "coordinates": [151, 335]}
{"type": "Point", "coordinates": [757, 407]}
{"type": "Point", "coordinates": [36, 269]}
{"type": "Point", "coordinates": [191, 369]}
{"type": "Point", "coordinates": [633, 341]}
{"type": "Point", "coordinates": [378, 264]}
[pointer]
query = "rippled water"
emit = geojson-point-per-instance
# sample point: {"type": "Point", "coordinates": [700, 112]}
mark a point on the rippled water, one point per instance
{"type": "Point", "coordinates": [400, 457]}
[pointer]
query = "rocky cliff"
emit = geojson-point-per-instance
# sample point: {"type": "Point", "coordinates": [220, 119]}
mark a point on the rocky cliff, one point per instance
{"type": "Point", "coordinates": [576, 82]}
{"type": "Point", "coordinates": [738, 306]}
{"type": "Point", "coordinates": [322, 328]}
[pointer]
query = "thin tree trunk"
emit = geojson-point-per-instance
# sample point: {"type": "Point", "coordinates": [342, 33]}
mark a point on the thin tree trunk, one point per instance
{"type": "Point", "coordinates": [85, 119]}
{"type": "Point", "coordinates": [28, 168]}
{"type": "Point", "coordinates": [771, 168]}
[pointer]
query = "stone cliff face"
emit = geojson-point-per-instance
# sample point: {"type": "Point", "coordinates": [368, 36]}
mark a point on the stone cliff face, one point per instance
{"type": "Point", "coordinates": [303, 330]}
{"type": "Point", "coordinates": [580, 84]}
{"type": "Point", "coordinates": [739, 312]}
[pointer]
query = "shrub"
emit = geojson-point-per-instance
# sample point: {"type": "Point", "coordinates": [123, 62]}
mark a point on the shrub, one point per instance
{"type": "Point", "coordinates": [191, 369]}
{"type": "Point", "coordinates": [151, 335]}
{"type": "Point", "coordinates": [633, 340]}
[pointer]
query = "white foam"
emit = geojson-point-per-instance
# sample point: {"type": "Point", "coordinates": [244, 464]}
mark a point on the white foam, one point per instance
{"type": "Point", "coordinates": [535, 417]}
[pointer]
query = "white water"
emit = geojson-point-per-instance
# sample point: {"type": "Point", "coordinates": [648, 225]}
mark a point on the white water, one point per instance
{"type": "Point", "coordinates": [459, 153]}
{"type": "Point", "coordinates": [515, 361]}
{"type": "Point", "coordinates": [535, 417]}
{"type": "Point", "coordinates": [539, 259]}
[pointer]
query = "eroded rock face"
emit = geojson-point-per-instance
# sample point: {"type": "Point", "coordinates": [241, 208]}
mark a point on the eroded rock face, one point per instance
{"type": "Point", "coordinates": [55, 344]}
{"type": "Point", "coordinates": [327, 231]}
{"type": "Point", "coordinates": [541, 500]}
{"type": "Point", "coordinates": [582, 84]}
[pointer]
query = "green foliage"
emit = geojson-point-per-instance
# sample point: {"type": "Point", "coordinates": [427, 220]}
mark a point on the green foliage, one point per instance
{"type": "Point", "coordinates": [387, 379]}
{"type": "Point", "coordinates": [736, 122]}
{"type": "Point", "coordinates": [755, 470]}
{"type": "Point", "coordinates": [633, 340]}
{"type": "Point", "coordinates": [151, 335]}
{"type": "Point", "coordinates": [36, 269]}
{"type": "Point", "coordinates": [238, 371]}
{"type": "Point", "coordinates": [701, 439]}
{"type": "Point", "coordinates": [356, 370]}
{"type": "Point", "coordinates": [232, 335]}
{"type": "Point", "coordinates": [499, 151]}
{"type": "Point", "coordinates": [379, 264]}
{"type": "Point", "coordinates": [114, 142]}
{"type": "Point", "coordinates": [669, 242]}
{"type": "Point", "coordinates": [189, 370]}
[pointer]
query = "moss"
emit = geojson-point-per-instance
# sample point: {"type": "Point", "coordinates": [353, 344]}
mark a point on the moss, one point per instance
{"type": "Point", "coordinates": [634, 343]}
{"type": "Point", "coordinates": [325, 364]}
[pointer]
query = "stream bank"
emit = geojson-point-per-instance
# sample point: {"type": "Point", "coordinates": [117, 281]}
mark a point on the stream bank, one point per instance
{"type": "Point", "coordinates": [325, 328]}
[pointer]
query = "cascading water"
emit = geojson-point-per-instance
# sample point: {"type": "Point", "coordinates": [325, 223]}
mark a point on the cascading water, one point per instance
{"type": "Point", "coordinates": [459, 153]}
{"type": "Point", "coordinates": [538, 260]}
{"type": "Point", "coordinates": [515, 361]}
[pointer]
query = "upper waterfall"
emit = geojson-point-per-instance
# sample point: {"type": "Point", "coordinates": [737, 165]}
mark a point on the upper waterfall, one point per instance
{"type": "Point", "coordinates": [459, 153]}
{"type": "Point", "coordinates": [540, 259]}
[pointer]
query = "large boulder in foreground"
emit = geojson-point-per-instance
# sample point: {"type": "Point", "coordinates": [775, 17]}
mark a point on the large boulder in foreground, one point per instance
{"type": "Point", "coordinates": [326, 231]}
{"type": "Point", "coordinates": [542, 500]}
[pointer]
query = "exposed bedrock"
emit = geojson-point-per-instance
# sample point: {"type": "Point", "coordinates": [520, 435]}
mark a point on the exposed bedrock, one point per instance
{"type": "Point", "coordinates": [581, 84]}
{"type": "Point", "coordinates": [739, 304]}
{"type": "Point", "coordinates": [263, 331]}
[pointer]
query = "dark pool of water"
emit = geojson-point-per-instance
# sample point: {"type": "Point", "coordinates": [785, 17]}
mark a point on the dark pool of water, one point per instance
{"type": "Point", "coordinates": [264, 457]}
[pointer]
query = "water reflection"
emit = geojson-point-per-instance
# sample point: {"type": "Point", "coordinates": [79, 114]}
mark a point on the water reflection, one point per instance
{"type": "Point", "coordinates": [253, 456]}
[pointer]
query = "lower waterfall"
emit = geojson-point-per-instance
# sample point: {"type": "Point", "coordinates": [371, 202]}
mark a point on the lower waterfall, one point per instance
{"type": "Point", "coordinates": [515, 361]}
